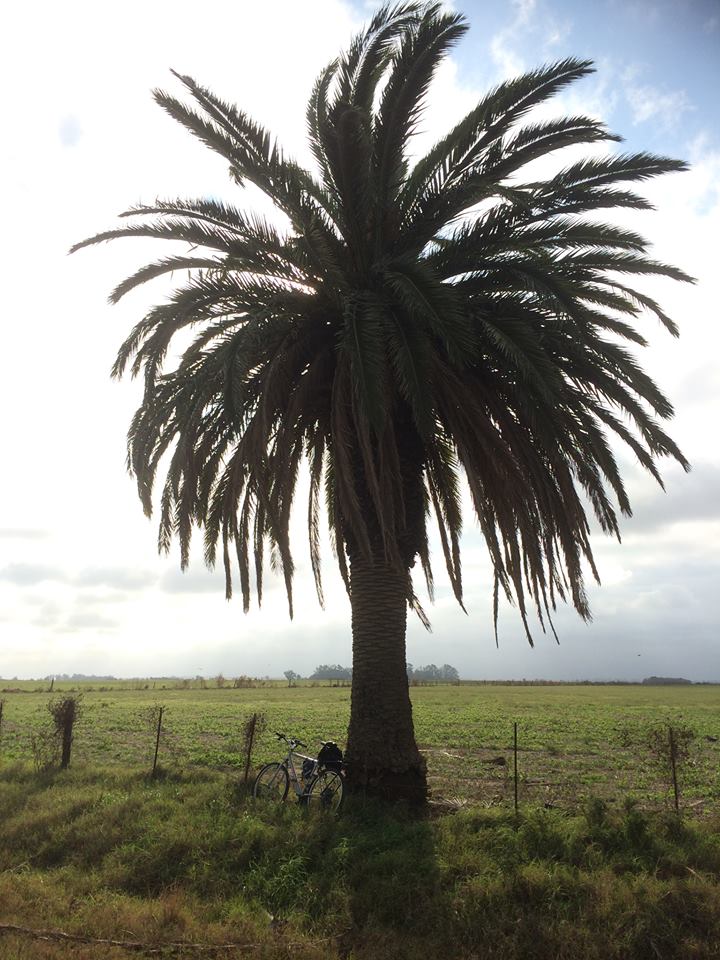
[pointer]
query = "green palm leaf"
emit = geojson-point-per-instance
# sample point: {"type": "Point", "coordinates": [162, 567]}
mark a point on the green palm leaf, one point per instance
{"type": "Point", "coordinates": [406, 333]}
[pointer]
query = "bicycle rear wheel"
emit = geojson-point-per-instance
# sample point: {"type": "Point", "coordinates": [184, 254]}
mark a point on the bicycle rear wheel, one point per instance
{"type": "Point", "coordinates": [326, 792]}
{"type": "Point", "coordinates": [271, 783]}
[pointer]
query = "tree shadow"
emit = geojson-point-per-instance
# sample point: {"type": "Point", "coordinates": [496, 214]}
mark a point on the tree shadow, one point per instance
{"type": "Point", "coordinates": [396, 900]}
{"type": "Point", "coordinates": [19, 782]}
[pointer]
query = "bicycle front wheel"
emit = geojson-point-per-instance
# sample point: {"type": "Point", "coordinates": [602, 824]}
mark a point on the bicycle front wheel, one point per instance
{"type": "Point", "coordinates": [326, 792]}
{"type": "Point", "coordinates": [271, 783]}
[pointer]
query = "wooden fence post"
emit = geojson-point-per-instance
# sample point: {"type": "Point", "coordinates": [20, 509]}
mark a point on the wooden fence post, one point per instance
{"type": "Point", "coordinates": [515, 764]}
{"type": "Point", "coordinates": [157, 741]}
{"type": "Point", "coordinates": [252, 729]}
{"type": "Point", "coordinates": [673, 767]}
{"type": "Point", "coordinates": [249, 738]}
{"type": "Point", "coordinates": [64, 712]}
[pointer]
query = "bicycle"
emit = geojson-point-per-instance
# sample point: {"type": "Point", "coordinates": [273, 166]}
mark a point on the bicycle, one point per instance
{"type": "Point", "coordinates": [318, 787]}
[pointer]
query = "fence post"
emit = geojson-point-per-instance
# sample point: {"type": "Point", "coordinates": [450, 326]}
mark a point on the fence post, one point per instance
{"type": "Point", "coordinates": [249, 738]}
{"type": "Point", "coordinates": [64, 712]}
{"type": "Point", "coordinates": [157, 741]}
{"type": "Point", "coordinates": [673, 768]}
{"type": "Point", "coordinates": [515, 765]}
{"type": "Point", "coordinates": [2, 702]}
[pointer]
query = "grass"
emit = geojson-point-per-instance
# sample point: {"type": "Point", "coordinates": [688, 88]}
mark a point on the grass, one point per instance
{"type": "Point", "coordinates": [576, 742]}
{"type": "Point", "coordinates": [105, 852]}
{"type": "Point", "coordinates": [596, 865]}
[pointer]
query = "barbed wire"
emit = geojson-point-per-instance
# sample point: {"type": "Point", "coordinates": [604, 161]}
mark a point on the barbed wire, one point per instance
{"type": "Point", "coordinates": [147, 947]}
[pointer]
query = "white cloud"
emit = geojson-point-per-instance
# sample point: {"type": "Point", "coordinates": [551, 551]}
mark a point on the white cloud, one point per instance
{"type": "Point", "coordinates": [196, 580]}
{"type": "Point", "coordinates": [22, 533]}
{"type": "Point", "coordinates": [119, 578]}
{"type": "Point", "coordinates": [69, 131]}
{"type": "Point", "coordinates": [89, 620]}
{"type": "Point", "coordinates": [30, 574]}
{"type": "Point", "coordinates": [525, 10]}
{"type": "Point", "coordinates": [533, 28]}
{"type": "Point", "coordinates": [664, 108]}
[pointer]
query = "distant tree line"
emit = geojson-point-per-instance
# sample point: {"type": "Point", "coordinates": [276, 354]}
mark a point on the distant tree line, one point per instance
{"type": "Point", "coordinates": [335, 671]}
{"type": "Point", "coordinates": [77, 676]}
{"type": "Point", "coordinates": [432, 674]}
{"type": "Point", "coordinates": [331, 671]}
{"type": "Point", "coordinates": [325, 671]}
{"type": "Point", "coordinates": [664, 681]}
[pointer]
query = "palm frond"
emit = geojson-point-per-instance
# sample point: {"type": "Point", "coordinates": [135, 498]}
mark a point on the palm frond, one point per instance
{"type": "Point", "coordinates": [404, 333]}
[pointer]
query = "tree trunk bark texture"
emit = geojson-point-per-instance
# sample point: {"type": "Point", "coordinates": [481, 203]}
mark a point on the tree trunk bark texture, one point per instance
{"type": "Point", "coordinates": [382, 757]}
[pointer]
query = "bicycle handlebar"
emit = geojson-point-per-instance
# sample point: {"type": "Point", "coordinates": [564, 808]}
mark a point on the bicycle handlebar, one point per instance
{"type": "Point", "coordinates": [291, 740]}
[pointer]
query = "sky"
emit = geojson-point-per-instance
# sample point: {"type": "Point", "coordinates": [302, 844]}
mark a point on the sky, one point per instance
{"type": "Point", "coordinates": [82, 588]}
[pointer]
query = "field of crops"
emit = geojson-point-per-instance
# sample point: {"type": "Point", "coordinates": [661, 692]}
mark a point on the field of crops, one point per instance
{"type": "Point", "coordinates": [574, 742]}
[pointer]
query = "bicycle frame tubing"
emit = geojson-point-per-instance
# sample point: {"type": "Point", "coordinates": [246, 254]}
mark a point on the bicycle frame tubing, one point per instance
{"type": "Point", "coordinates": [289, 765]}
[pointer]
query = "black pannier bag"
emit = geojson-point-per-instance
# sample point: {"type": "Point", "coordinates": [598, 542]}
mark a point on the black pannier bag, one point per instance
{"type": "Point", "coordinates": [330, 756]}
{"type": "Point", "coordinates": [308, 768]}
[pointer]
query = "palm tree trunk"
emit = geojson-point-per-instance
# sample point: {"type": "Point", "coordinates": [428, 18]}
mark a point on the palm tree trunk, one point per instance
{"type": "Point", "coordinates": [383, 759]}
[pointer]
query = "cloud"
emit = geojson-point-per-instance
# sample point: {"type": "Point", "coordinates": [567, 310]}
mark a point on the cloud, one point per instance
{"type": "Point", "coordinates": [86, 620]}
{"type": "Point", "coordinates": [46, 614]}
{"type": "Point", "coordinates": [197, 579]}
{"type": "Point", "coordinates": [559, 32]}
{"type": "Point", "coordinates": [505, 43]}
{"type": "Point", "coordinates": [22, 533]}
{"type": "Point", "coordinates": [119, 578]}
{"type": "Point", "coordinates": [691, 498]}
{"type": "Point", "coordinates": [666, 612]}
{"type": "Point", "coordinates": [663, 108]}
{"type": "Point", "coordinates": [69, 131]}
{"type": "Point", "coordinates": [90, 600]}
{"type": "Point", "coordinates": [524, 11]}
{"type": "Point", "coordinates": [533, 27]}
{"type": "Point", "coordinates": [29, 574]}
{"type": "Point", "coordinates": [65, 613]}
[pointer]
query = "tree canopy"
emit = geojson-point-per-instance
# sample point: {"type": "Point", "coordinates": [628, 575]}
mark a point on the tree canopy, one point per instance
{"type": "Point", "coordinates": [404, 327]}
{"type": "Point", "coordinates": [484, 309]}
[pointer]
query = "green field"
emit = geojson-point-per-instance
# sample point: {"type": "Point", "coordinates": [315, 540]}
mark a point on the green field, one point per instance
{"type": "Point", "coordinates": [574, 742]}
{"type": "Point", "coordinates": [595, 866]}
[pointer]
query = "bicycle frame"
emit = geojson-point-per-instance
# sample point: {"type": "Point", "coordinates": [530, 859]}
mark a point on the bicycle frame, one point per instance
{"type": "Point", "coordinates": [288, 764]}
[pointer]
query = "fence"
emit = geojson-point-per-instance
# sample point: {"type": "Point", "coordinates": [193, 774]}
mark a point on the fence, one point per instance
{"type": "Point", "coordinates": [656, 763]}
{"type": "Point", "coordinates": [664, 767]}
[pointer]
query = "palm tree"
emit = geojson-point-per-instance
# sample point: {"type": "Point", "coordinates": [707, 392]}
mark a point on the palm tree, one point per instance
{"type": "Point", "coordinates": [407, 326]}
